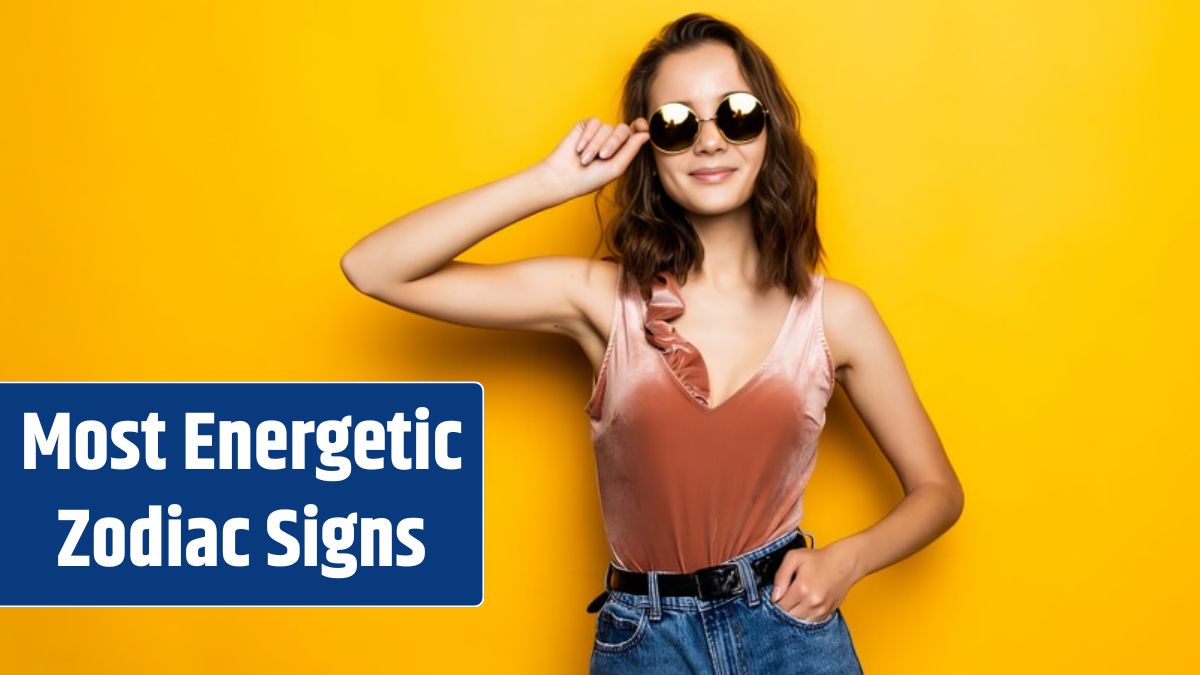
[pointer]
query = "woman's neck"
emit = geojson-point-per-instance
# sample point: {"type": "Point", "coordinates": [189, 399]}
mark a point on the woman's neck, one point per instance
{"type": "Point", "coordinates": [730, 255]}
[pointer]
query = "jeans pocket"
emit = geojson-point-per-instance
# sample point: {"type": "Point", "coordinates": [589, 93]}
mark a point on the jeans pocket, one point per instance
{"type": "Point", "coordinates": [619, 627]}
{"type": "Point", "coordinates": [781, 615]}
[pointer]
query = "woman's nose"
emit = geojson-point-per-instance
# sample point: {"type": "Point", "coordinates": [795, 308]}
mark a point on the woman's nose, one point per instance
{"type": "Point", "coordinates": [710, 137]}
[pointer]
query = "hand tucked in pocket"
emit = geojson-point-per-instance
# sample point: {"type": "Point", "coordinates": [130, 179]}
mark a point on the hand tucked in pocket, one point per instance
{"type": "Point", "coordinates": [812, 582]}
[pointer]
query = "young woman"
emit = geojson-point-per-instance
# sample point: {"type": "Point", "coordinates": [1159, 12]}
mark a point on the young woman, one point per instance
{"type": "Point", "coordinates": [716, 346]}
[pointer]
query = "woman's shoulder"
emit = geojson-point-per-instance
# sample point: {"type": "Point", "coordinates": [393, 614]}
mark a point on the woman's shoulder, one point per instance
{"type": "Point", "coordinates": [843, 291]}
{"type": "Point", "coordinates": [846, 311]}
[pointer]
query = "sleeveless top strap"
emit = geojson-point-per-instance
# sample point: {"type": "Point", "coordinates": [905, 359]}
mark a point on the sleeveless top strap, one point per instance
{"type": "Point", "coordinates": [616, 339]}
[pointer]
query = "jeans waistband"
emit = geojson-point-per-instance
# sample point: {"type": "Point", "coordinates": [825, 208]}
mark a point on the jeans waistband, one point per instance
{"type": "Point", "coordinates": [655, 602]}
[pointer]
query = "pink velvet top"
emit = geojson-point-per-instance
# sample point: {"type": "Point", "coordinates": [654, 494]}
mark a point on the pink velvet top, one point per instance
{"type": "Point", "coordinates": [684, 485]}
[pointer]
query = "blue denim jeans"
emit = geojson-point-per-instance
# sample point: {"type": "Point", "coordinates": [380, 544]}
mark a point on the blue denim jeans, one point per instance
{"type": "Point", "coordinates": [743, 634]}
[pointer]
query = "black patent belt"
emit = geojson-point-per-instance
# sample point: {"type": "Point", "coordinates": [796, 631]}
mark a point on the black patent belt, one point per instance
{"type": "Point", "coordinates": [708, 583]}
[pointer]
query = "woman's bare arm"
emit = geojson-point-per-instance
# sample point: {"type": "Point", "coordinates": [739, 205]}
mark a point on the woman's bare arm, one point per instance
{"type": "Point", "coordinates": [878, 384]}
{"type": "Point", "coordinates": [409, 263]}
{"type": "Point", "coordinates": [868, 364]}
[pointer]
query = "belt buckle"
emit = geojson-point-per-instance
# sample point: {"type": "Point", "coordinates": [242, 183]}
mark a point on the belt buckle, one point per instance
{"type": "Point", "coordinates": [719, 575]}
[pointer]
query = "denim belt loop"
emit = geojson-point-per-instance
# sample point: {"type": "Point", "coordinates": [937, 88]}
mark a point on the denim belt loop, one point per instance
{"type": "Point", "coordinates": [655, 605]}
{"type": "Point", "coordinates": [749, 583]}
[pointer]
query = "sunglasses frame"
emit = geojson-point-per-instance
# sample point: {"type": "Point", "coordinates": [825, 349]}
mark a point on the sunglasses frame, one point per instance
{"type": "Point", "coordinates": [701, 120]}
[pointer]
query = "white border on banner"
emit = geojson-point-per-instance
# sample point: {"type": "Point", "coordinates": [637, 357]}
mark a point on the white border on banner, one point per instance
{"type": "Point", "coordinates": [482, 528]}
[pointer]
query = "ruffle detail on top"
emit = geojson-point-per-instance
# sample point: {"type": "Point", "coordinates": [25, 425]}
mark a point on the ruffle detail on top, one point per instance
{"type": "Point", "coordinates": [666, 303]}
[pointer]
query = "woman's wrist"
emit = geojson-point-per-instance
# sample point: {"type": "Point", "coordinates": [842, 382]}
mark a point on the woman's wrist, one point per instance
{"type": "Point", "coordinates": [849, 549]}
{"type": "Point", "coordinates": [549, 184]}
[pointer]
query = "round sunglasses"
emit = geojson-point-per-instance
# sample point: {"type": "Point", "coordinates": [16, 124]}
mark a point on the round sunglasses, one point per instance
{"type": "Point", "coordinates": [674, 127]}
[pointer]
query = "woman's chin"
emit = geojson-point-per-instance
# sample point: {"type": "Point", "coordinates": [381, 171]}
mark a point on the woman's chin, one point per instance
{"type": "Point", "coordinates": [713, 205]}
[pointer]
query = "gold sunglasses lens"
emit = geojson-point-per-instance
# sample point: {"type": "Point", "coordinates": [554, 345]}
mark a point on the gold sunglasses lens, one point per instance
{"type": "Point", "coordinates": [741, 118]}
{"type": "Point", "coordinates": [673, 127]}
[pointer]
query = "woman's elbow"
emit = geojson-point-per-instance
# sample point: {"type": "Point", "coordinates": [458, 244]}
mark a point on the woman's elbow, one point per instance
{"type": "Point", "coordinates": [356, 271]}
{"type": "Point", "coordinates": [957, 500]}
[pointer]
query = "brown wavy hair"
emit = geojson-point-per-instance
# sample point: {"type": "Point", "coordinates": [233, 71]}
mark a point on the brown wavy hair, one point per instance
{"type": "Point", "coordinates": [651, 232]}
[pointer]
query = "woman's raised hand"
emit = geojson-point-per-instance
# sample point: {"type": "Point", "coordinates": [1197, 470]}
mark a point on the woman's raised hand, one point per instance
{"type": "Point", "coordinates": [594, 154]}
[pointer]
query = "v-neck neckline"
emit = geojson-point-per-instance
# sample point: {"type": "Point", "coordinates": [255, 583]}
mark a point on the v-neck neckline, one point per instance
{"type": "Point", "coordinates": [771, 353]}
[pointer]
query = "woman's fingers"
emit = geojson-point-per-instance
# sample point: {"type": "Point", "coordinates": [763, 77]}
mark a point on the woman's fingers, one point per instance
{"type": "Point", "coordinates": [630, 147]}
{"type": "Point", "coordinates": [783, 575]}
{"type": "Point", "coordinates": [593, 135]}
{"type": "Point", "coordinates": [618, 136]}
{"type": "Point", "coordinates": [590, 126]}
{"type": "Point", "coordinates": [607, 140]}
{"type": "Point", "coordinates": [593, 145]}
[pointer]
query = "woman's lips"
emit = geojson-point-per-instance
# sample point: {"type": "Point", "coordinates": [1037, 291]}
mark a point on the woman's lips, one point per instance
{"type": "Point", "coordinates": [718, 177]}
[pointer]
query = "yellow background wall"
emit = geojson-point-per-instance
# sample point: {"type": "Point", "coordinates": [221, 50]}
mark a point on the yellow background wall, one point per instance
{"type": "Point", "coordinates": [1011, 182]}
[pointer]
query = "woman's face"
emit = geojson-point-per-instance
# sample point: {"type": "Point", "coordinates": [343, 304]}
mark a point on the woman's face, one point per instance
{"type": "Point", "coordinates": [700, 78]}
